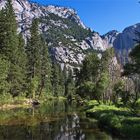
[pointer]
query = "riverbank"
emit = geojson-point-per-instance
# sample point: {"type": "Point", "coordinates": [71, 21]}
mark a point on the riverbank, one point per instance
{"type": "Point", "coordinates": [117, 120]}
{"type": "Point", "coordinates": [8, 102]}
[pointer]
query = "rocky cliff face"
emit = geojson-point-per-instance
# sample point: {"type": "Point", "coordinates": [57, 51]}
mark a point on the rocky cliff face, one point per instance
{"type": "Point", "coordinates": [123, 42]}
{"type": "Point", "coordinates": [110, 37]}
{"type": "Point", "coordinates": [67, 37]}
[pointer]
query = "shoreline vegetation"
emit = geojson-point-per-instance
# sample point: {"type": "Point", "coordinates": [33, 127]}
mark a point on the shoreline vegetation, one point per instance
{"type": "Point", "coordinates": [120, 121]}
{"type": "Point", "coordinates": [8, 103]}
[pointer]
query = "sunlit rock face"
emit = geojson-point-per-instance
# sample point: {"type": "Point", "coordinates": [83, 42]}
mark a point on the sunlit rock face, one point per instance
{"type": "Point", "coordinates": [123, 42]}
{"type": "Point", "coordinates": [110, 37]}
{"type": "Point", "coordinates": [68, 38]}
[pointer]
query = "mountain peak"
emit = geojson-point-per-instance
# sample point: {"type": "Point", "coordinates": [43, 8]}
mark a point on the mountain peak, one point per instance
{"type": "Point", "coordinates": [112, 32]}
{"type": "Point", "coordinates": [110, 37]}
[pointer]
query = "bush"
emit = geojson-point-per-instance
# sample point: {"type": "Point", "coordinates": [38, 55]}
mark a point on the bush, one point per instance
{"type": "Point", "coordinates": [118, 120]}
{"type": "Point", "coordinates": [110, 119]}
{"type": "Point", "coordinates": [6, 99]}
{"type": "Point", "coordinates": [92, 103]}
{"type": "Point", "coordinates": [86, 89]}
{"type": "Point", "coordinates": [138, 103]}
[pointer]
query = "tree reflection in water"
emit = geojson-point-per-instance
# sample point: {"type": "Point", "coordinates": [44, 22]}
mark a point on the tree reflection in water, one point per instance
{"type": "Point", "coordinates": [51, 121]}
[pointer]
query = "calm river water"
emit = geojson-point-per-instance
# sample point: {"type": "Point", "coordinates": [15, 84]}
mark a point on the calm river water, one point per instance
{"type": "Point", "coordinates": [51, 121]}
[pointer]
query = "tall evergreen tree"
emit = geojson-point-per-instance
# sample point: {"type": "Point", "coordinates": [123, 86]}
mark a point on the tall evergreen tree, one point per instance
{"type": "Point", "coordinates": [65, 80]}
{"type": "Point", "coordinates": [55, 79]}
{"type": "Point", "coordinates": [4, 68]}
{"type": "Point", "coordinates": [4, 64]}
{"type": "Point", "coordinates": [61, 82]}
{"type": "Point", "coordinates": [33, 51]}
{"type": "Point", "coordinates": [70, 86]}
{"type": "Point", "coordinates": [10, 48]}
{"type": "Point", "coordinates": [22, 61]}
{"type": "Point", "coordinates": [45, 83]}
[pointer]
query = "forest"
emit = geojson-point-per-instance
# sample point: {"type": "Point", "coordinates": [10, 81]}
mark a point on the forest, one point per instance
{"type": "Point", "coordinates": [107, 91]}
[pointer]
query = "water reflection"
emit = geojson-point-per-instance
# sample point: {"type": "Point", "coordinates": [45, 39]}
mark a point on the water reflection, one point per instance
{"type": "Point", "coordinates": [52, 121]}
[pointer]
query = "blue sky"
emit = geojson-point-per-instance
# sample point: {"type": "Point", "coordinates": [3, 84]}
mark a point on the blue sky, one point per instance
{"type": "Point", "coordinates": [103, 15]}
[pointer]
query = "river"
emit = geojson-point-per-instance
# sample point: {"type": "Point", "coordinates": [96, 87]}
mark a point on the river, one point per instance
{"type": "Point", "coordinates": [54, 120]}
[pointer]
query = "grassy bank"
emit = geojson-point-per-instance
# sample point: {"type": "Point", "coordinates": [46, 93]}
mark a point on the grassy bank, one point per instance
{"type": "Point", "coordinates": [49, 111]}
{"type": "Point", "coordinates": [8, 102]}
{"type": "Point", "coordinates": [120, 121]}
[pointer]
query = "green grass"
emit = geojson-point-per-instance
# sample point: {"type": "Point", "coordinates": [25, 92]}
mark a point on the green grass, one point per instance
{"type": "Point", "coordinates": [8, 99]}
{"type": "Point", "coordinates": [121, 121]}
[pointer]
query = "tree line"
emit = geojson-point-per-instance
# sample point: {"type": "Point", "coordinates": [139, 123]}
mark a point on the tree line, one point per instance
{"type": "Point", "coordinates": [102, 79]}
{"type": "Point", "coordinates": [26, 67]}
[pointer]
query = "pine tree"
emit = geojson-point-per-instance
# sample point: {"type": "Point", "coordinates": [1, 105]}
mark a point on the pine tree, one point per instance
{"type": "Point", "coordinates": [10, 48]}
{"type": "Point", "coordinates": [55, 79]}
{"type": "Point", "coordinates": [3, 32]}
{"type": "Point", "coordinates": [4, 68]}
{"type": "Point", "coordinates": [33, 51]}
{"type": "Point", "coordinates": [65, 80]}
{"type": "Point", "coordinates": [22, 61]}
{"type": "Point", "coordinates": [61, 82]}
{"type": "Point", "coordinates": [45, 84]}
{"type": "Point", "coordinates": [70, 88]}
{"type": "Point", "coordinates": [4, 64]}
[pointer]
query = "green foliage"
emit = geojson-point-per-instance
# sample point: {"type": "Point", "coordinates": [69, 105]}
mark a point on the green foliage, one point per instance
{"type": "Point", "coordinates": [57, 80]}
{"type": "Point", "coordinates": [102, 85]}
{"type": "Point", "coordinates": [121, 94]}
{"type": "Point", "coordinates": [70, 84]}
{"type": "Point", "coordinates": [27, 68]}
{"type": "Point", "coordinates": [33, 51]}
{"type": "Point", "coordinates": [106, 57]}
{"type": "Point", "coordinates": [93, 78]}
{"type": "Point", "coordinates": [6, 99]}
{"type": "Point", "coordinates": [92, 103]}
{"type": "Point", "coordinates": [11, 50]}
{"type": "Point", "coordinates": [119, 87]}
{"type": "Point", "coordinates": [4, 67]}
{"type": "Point", "coordinates": [138, 103]}
{"type": "Point", "coordinates": [132, 69]}
{"type": "Point", "coordinates": [90, 68]}
{"type": "Point", "coordinates": [45, 85]}
{"type": "Point", "coordinates": [135, 56]}
{"type": "Point", "coordinates": [119, 120]}
{"type": "Point", "coordinates": [87, 76]}
{"type": "Point", "coordinates": [33, 87]}
{"type": "Point", "coordinates": [38, 63]}
{"type": "Point", "coordinates": [111, 120]}
{"type": "Point", "coordinates": [86, 89]}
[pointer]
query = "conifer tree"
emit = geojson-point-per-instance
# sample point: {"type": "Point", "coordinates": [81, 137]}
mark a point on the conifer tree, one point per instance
{"type": "Point", "coordinates": [3, 33]}
{"type": "Point", "coordinates": [55, 79]}
{"type": "Point", "coordinates": [70, 86]}
{"type": "Point", "coordinates": [22, 61]}
{"type": "Point", "coordinates": [65, 80]}
{"type": "Point", "coordinates": [33, 51]}
{"type": "Point", "coordinates": [61, 82]}
{"type": "Point", "coordinates": [45, 83]}
{"type": "Point", "coordinates": [4, 68]}
{"type": "Point", "coordinates": [10, 48]}
{"type": "Point", "coordinates": [4, 64]}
